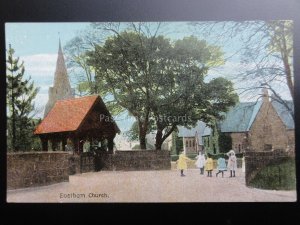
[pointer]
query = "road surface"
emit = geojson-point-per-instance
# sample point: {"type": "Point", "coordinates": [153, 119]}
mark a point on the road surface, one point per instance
{"type": "Point", "coordinates": [150, 186]}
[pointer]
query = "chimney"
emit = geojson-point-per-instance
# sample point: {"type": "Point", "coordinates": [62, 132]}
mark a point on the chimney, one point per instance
{"type": "Point", "coordinates": [265, 95]}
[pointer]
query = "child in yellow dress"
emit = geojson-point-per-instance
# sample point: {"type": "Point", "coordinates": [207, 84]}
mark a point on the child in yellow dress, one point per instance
{"type": "Point", "coordinates": [209, 166]}
{"type": "Point", "coordinates": [181, 163]}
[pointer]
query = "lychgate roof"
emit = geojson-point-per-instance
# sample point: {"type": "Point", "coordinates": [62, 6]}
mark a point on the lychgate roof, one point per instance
{"type": "Point", "coordinates": [67, 115]}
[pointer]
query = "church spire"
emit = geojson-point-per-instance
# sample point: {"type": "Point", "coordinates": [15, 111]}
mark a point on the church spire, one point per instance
{"type": "Point", "coordinates": [61, 69]}
{"type": "Point", "coordinates": [59, 46]}
{"type": "Point", "coordinates": [61, 88]}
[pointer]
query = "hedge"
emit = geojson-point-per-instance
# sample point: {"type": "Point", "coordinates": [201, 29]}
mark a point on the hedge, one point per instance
{"type": "Point", "coordinates": [280, 176]}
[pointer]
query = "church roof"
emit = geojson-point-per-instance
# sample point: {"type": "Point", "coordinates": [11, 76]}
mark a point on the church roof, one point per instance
{"type": "Point", "coordinates": [284, 114]}
{"type": "Point", "coordinates": [68, 115]}
{"type": "Point", "coordinates": [240, 117]}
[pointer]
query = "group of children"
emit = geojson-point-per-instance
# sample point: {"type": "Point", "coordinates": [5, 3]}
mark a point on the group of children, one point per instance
{"type": "Point", "coordinates": [207, 164]}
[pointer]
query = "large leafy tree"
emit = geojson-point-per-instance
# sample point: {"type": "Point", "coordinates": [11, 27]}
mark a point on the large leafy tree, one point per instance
{"type": "Point", "coordinates": [161, 83]}
{"type": "Point", "coordinates": [20, 95]}
{"type": "Point", "coordinates": [184, 97]}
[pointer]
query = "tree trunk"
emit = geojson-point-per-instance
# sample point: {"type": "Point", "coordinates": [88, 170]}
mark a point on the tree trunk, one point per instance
{"type": "Point", "coordinates": [158, 139]}
{"type": "Point", "coordinates": [13, 124]}
{"type": "Point", "coordinates": [142, 138]}
{"type": "Point", "coordinates": [287, 68]}
{"type": "Point", "coordinates": [142, 135]}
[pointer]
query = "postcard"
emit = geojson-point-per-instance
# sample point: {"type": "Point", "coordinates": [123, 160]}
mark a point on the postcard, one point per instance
{"type": "Point", "coordinates": [183, 111]}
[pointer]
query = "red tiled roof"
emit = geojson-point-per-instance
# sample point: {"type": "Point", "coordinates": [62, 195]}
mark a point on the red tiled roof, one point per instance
{"type": "Point", "coordinates": [66, 115]}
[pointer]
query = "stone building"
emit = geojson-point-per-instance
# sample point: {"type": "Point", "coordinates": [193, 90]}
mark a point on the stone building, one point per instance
{"type": "Point", "coordinates": [258, 126]}
{"type": "Point", "coordinates": [252, 126]}
{"type": "Point", "coordinates": [61, 87]}
{"type": "Point", "coordinates": [192, 138]}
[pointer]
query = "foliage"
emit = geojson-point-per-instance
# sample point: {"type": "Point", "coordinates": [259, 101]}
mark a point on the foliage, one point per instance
{"type": "Point", "coordinates": [133, 133]}
{"type": "Point", "coordinates": [136, 147]}
{"type": "Point", "coordinates": [192, 155]}
{"type": "Point", "coordinates": [20, 95]}
{"type": "Point", "coordinates": [174, 158]}
{"type": "Point", "coordinates": [177, 143]}
{"type": "Point", "coordinates": [217, 156]}
{"type": "Point", "coordinates": [281, 176]}
{"type": "Point", "coordinates": [225, 142]}
{"type": "Point", "coordinates": [160, 82]}
{"type": "Point", "coordinates": [214, 139]}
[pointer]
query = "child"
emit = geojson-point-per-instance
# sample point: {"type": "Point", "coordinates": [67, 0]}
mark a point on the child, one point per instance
{"type": "Point", "coordinates": [200, 162]}
{"type": "Point", "coordinates": [232, 163]}
{"type": "Point", "coordinates": [181, 163]}
{"type": "Point", "coordinates": [209, 166]}
{"type": "Point", "coordinates": [221, 166]}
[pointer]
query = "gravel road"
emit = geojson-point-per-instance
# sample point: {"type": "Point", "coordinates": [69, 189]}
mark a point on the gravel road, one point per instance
{"type": "Point", "coordinates": [150, 186]}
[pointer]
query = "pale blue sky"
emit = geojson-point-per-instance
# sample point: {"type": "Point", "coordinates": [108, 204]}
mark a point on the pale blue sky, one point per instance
{"type": "Point", "coordinates": [39, 38]}
{"type": "Point", "coordinates": [37, 45]}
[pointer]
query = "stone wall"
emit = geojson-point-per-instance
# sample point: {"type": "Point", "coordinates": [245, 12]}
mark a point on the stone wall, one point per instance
{"type": "Point", "coordinates": [138, 160]}
{"type": "Point", "coordinates": [255, 161]}
{"type": "Point", "coordinates": [268, 129]}
{"type": "Point", "coordinates": [238, 142]}
{"type": "Point", "coordinates": [121, 160]}
{"type": "Point", "coordinates": [32, 169]}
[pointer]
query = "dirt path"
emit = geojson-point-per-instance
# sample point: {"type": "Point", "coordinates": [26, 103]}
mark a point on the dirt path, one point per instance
{"type": "Point", "coordinates": [150, 186]}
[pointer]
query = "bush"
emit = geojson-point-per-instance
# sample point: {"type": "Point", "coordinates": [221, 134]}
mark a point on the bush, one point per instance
{"type": "Point", "coordinates": [174, 157]}
{"type": "Point", "coordinates": [217, 156]}
{"type": "Point", "coordinates": [279, 176]}
{"type": "Point", "coordinates": [192, 155]}
{"type": "Point", "coordinates": [239, 155]}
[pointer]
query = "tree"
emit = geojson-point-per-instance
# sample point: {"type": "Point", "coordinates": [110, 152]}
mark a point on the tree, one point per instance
{"type": "Point", "coordinates": [185, 98]}
{"type": "Point", "coordinates": [76, 62]}
{"type": "Point", "coordinates": [20, 94]}
{"type": "Point", "coordinates": [266, 54]}
{"type": "Point", "coordinates": [160, 83]}
{"type": "Point", "coordinates": [225, 142]}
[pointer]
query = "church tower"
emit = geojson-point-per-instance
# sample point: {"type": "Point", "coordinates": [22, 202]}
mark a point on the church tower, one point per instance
{"type": "Point", "coordinates": [61, 88]}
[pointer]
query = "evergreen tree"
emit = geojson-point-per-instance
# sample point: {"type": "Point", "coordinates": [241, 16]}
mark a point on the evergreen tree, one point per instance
{"type": "Point", "coordinates": [20, 94]}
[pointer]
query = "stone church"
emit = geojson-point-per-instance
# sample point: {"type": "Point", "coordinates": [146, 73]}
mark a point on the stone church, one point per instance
{"type": "Point", "coordinates": [61, 88]}
{"type": "Point", "coordinates": [252, 126]}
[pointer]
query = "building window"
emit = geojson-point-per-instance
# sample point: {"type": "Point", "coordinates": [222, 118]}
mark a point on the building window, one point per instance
{"type": "Point", "coordinates": [186, 143]}
{"type": "Point", "coordinates": [190, 143]}
{"type": "Point", "coordinates": [239, 148]}
{"type": "Point", "coordinates": [193, 143]}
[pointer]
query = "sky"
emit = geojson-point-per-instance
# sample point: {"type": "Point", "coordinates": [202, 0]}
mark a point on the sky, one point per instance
{"type": "Point", "coordinates": [37, 45]}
